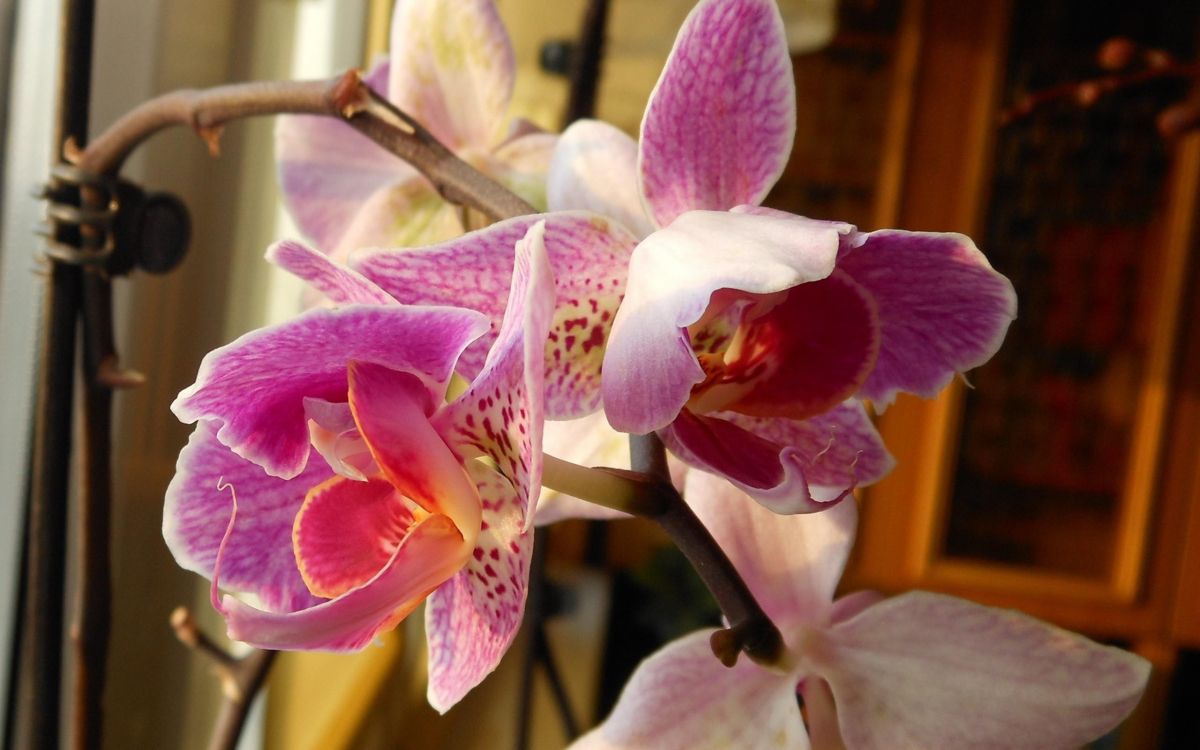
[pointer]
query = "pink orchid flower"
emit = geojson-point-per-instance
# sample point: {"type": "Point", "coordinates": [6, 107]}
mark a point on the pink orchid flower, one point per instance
{"type": "Point", "coordinates": [359, 493]}
{"type": "Point", "coordinates": [748, 337]}
{"type": "Point", "coordinates": [915, 671]}
{"type": "Point", "coordinates": [451, 67]}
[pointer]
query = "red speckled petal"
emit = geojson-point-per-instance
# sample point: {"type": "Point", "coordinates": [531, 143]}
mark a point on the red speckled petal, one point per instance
{"type": "Point", "coordinates": [501, 413]}
{"type": "Point", "coordinates": [720, 122]}
{"type": "Point", "coordinates": [589, 256]}
{"type": "Point", "coordinates": [472, 619]}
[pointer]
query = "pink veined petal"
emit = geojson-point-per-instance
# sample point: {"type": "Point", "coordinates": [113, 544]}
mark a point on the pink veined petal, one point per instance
{"type": "Point", "coordinates": [501, 413]}
{"type": "Point", "coordinates": [841, 448]}
{"type": "Point", "coordinates": [407, 213]}
{"type": "Point", "coordinates": [346, 532]}
{"type": "Point", "coordinates": [649, 367]}
{"type": "Point", "coordinates": [595, 169]}
{"type": "Point", "coordinates": [340, 284]}
{"type": "Point", "coordinates": [521, 165]}
{"type": "Point", "coordinates": [682, 698]}
{"type": "Point", "coordinates": [258, 555]}
{"type": "Point", "coordinates": [392, 410]}
{"type": "Point", "coordinates": [452, 69]}
{"type": "Point", "coordinates": [774, 475]}
{"type": "Point", "coordinates": [256, 385]}
{"type": "Point", "coordinates": [791, 563]}
{"type": "Point", "coordinates": [589, 255]}
{"type": "Point", "coordinates": [327, 169]}
{"type": "Point", "coordinates": [942, 309]}
{"type": "Point", "coordinates": [471, 620]}
{"type": "Point", "coordinates": [720, 122]}
{"type": "Point", "coordinates": [926, 670]}
{"type": "Point", "coordinates": [431, 552]}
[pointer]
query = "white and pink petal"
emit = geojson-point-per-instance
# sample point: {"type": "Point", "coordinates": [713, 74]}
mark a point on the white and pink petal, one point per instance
{"type": "Point", "coordinates": [501, 413]}
{"type": "Point", "coordinates": [595, 169]}
{"type": "Point", "coordinates": [927, 670]}
{"type": "Point", "coordinates": [336, 282]}
{"type": "Point", "coordinates": [650, 368]}
{"type": "Point", "coordinates": [452, 69]}
{"type": "Point", "coordinates": [327, 169]}
{"type": "Point", "coordinates": [682, 698]}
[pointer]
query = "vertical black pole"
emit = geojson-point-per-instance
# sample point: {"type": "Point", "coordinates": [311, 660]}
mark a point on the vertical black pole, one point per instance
{"type": "Point", "coordinates": [40, 686]}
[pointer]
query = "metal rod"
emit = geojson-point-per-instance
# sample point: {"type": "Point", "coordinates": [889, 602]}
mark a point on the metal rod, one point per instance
{"type": "Point", "coordinates": [37, 721]}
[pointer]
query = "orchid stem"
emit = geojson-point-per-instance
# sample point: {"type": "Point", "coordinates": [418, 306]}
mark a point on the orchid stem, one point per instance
{"type": "Point", "coordinates": [647, 492]}
{"type": "Point", "coordinates": [346, 97]}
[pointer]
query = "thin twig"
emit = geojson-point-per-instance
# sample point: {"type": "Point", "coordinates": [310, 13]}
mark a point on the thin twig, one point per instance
{"type": "Point", "coordinates": [241, 678]}
{"type": "Point", "coordinates": [1088, 91]}
{"type": "Point", "coordinates": [346, 97]}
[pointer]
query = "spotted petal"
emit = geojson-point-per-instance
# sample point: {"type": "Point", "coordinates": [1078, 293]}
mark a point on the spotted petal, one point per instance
{"type": "Point", "coordinates": [327, 169]}
{"type": "Point", "coordinates": [595, 169]}
{"type": "Point", "coordinates": [905, 673]}
{"type": "Point", "coordinates": [471, 620]}
{"type": "Point", "coordinates": [258, 555]}
{"type": "Point", "coordinates": [589, 256]}
{"type": "Point", "coordinates": [682, 698]}
{"type": "Point", "coordinates": [501, 413]}
{"type": "Point", "coordinates": [792, 564]}
{"type": "Point", "coordinates": [720, 122]}
{"type": "Point", "coordinates": [256, 385]}
{"type": "Point", "coordinates": [452, 69]}
{"type": "Point", "coordinates": [942, 309]}
{"type": "Point", "coordinates": [650, 369]}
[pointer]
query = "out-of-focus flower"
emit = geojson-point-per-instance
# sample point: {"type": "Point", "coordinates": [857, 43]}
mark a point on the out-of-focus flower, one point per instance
{"type": "Point", "coordinates": [750, 337]}
{"type": "Point", "coordinates": [915, 671]}
{"type": "Point", "coordinates": [359, 492]}
{"type": "Point", "coordinates": [451, 68]}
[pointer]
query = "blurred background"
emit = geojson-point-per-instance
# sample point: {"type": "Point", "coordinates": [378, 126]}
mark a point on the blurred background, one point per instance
{"type": "Point", "coordinates": [1063, 480]}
